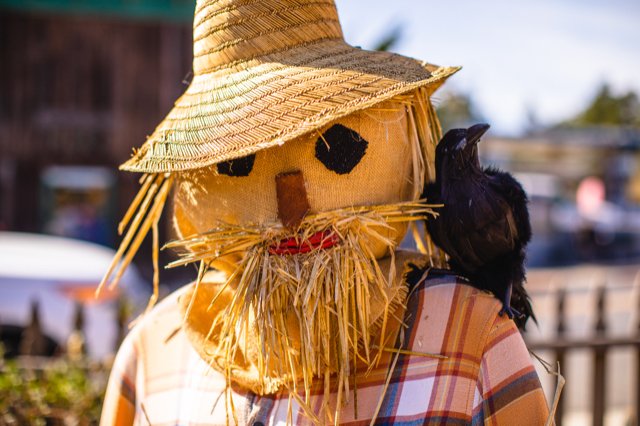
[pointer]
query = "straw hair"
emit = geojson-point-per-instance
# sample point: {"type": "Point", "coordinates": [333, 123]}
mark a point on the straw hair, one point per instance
{"type": "Point", "coordinates": [146, 211]}
{"type": "Point", "coordinates": [266, 72]}
{"type": "Point", "coordinates": [282, 321]}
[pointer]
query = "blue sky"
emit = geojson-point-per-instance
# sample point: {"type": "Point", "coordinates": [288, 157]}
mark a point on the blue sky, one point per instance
{"type": "Point", "coordinates": [547, 56]}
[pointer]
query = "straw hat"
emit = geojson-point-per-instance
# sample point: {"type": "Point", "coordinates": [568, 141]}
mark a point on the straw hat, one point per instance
{"type": "Point", "coordinates": [266, 72]}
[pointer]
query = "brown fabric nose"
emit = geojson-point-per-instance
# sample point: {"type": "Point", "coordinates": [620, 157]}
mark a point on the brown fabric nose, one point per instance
{"type": "Point", "coordinates": [293, 204]}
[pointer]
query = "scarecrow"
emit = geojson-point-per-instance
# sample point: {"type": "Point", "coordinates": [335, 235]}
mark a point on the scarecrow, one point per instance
{"type": "Point", "coordinates": [295, 163]}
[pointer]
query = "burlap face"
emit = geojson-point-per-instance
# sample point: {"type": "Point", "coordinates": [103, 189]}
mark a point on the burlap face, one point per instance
{"type": "Point", "coordinates": [205, 197]}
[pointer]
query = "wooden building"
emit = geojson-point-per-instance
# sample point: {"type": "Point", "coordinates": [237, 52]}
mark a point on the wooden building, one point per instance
{"type": "Point", "coordinates": [81, 83]}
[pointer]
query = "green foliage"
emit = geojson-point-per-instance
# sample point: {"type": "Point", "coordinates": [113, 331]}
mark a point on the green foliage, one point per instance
{"type": "Point", "coordinates": [390, 39]}
{"type": "Point", "coordinates": [58, 392]}
{"type": "Point", "coordinates": [608, 109]}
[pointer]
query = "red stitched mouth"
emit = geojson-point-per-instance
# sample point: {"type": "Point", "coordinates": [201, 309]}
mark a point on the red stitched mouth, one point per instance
{"type": "Point", "coordinates": [293, 245]}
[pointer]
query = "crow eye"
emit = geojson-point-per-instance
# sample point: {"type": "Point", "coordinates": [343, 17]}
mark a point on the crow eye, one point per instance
{"type": "Point", "coordinates": [237, 167]}
{"type": "Point", "coordinates": [340, 149]}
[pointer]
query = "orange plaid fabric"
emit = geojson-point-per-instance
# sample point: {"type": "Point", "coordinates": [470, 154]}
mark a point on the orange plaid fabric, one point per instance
{"type": "Point", "coordinates": [487, 378]}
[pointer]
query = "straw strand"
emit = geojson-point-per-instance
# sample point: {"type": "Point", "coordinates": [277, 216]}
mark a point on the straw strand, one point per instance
{"type": "Point", "coordinates": [156, 188]}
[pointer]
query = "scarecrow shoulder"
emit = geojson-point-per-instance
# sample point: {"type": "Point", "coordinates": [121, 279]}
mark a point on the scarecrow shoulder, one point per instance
{"type": "Point", "coordinates": [164, 318]}
{"type": "Point", "coordinates": [458, 295]}
{"type": "Point", "coordinates": [157, 341]}
{"type": "Point", "coordinates": [452, 316]}
{"type": "Point", "coordinates": [141, 356]}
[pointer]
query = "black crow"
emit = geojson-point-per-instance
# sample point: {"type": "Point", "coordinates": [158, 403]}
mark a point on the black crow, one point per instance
{"type": "Point", "coordinates": [484, 224]}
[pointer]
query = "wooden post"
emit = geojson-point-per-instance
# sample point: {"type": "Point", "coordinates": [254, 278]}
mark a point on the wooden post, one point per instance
{"type": "Point", "coordinates": [600, 360]}
{"type": "Point", "coordinates": [77, 342]}
{"type": "Point", "coordinates": [32, 341]}
{"type": "Point", "coordinates": [637, 420]}
{"type": "Point", "coordinates": [560, 352]}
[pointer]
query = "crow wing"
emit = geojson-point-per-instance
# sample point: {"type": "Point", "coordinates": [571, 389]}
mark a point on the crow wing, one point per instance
{"type": "Point", "coordinates": [516, 197]}
{"type": "Point", "coordinates": [475, 226]}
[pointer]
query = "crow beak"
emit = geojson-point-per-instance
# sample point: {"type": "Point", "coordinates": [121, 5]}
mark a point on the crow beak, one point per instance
{"type": "Point", "coordinates": [475, 132]}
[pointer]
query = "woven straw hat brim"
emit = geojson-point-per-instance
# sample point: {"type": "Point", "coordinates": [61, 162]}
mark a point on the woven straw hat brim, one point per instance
{"type": "Point", "coordinates": [235, 111]}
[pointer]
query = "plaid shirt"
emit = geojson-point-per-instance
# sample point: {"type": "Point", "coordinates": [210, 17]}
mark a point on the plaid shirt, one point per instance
{"type": "Point", "coordinates": [488, 377]}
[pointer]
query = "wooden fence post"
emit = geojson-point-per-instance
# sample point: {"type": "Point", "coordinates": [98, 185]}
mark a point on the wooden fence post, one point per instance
{"type": "Point", "coordinates": [600, 361]}
{"type": "Point", "coordinates": [560, 352]}
{"type": "Point", "coordinates": [637, 419]}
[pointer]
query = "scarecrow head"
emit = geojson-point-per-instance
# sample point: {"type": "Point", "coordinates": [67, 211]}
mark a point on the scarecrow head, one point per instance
{"type": "Point", "coordinates": [297, 162]}
{"type": "Point", "coordinates": [294, 195]}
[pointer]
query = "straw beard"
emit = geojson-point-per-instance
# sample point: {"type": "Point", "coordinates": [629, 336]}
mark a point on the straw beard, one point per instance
{"type": "Point", "coordinates": [311, 311]}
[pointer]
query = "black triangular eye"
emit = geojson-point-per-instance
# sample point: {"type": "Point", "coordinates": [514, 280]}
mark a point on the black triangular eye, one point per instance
{"type": "Point", "coordinates": [340, 149]}
{"type": "Point", "coordinates": [237, 167]}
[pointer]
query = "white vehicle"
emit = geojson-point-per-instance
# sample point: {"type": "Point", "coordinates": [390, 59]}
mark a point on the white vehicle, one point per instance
{"type": "Point", "coordinates": [57, 274]}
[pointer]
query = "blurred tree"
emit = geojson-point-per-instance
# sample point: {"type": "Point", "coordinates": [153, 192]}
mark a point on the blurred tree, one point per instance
{"type": "Point", "coordinates": [390, 39]}
{"type": "Point", "coordinates": [608, 109]}
{"type": "Point", "coordinates": [457, 110]}
{"type": "Point", "coordinates": [532, 121]}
